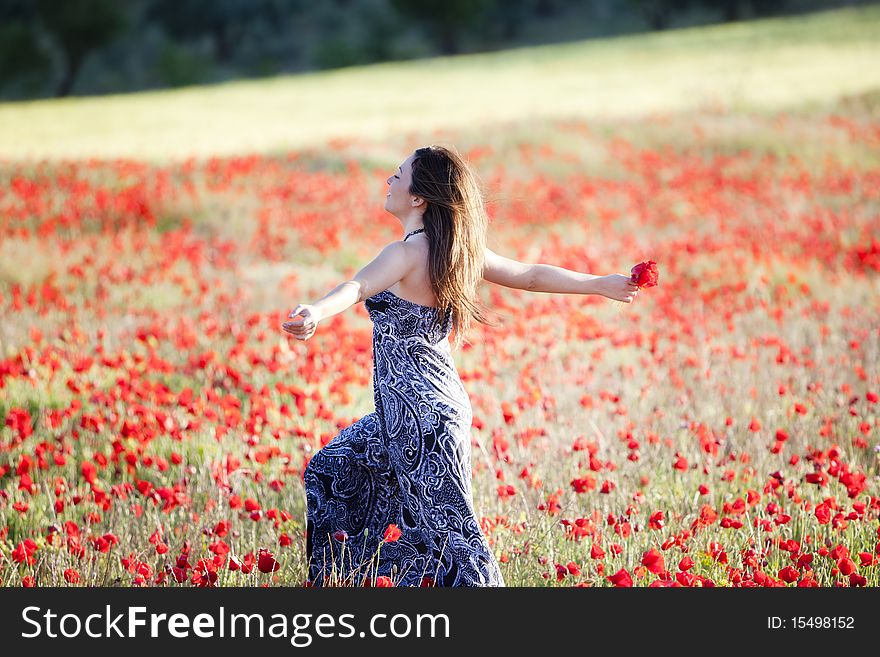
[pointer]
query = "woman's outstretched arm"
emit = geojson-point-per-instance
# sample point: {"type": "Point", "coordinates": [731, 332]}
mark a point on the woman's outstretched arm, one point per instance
{"type": "Point", "coordinates": [393, 263]}
{"type": "Point", "coordinates": [555, 280]}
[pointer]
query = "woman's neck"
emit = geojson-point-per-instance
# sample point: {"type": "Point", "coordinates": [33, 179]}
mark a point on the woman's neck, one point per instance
{"type": "Point", "coordinates": [410, 226]}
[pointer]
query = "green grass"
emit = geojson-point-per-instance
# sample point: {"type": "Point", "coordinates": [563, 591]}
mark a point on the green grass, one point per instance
{"type": "Point", "coordinates": [768, 65]}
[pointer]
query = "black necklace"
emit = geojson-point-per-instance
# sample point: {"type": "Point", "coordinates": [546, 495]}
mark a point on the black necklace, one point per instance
{"type": "Point", "coordinates": [417, 230]}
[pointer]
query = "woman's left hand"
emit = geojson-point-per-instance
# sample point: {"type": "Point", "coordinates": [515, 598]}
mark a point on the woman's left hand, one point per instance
{"type": "Point", "coordinates": [617, 287]}
{"type": "Point", "coordinates": [305, 323]}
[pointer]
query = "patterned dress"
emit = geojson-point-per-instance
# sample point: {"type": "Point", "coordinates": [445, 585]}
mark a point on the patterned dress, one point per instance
{"type": "Point", "coordinates": [407, 463]}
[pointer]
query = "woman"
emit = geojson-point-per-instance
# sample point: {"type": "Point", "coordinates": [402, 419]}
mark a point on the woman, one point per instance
{"type": "Point", "coordinates": [408, 463]}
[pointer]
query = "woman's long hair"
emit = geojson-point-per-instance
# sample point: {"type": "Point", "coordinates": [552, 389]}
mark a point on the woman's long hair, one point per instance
{"type": "Point", "coordinates": [455, 225]}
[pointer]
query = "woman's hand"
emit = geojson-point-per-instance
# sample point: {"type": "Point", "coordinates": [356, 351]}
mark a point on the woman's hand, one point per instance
{"type": "Point", "coordinates": [618, 287]}
{"type": "Point", "coordinates": [307, 318]}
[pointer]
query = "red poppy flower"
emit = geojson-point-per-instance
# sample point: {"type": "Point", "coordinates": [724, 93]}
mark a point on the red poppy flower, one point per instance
{"type": "Point", "coordinates": [391, 534]}
{"type": "Point", "coordinates": [24, 551]}
{"type": "Point", "coordinates": [583, 484]}
{"type": "Point", "coordinates": [89, 471]}
{"type": "Point", "coordinates": [857, 580]}
{"type": "Point", "coordinates": [656, 520]}
{"type": "Point", "coordinates": [846, 566]}
{"type": "Point", "coordinates": [266, 562]}
{"type": "Point", "coordinates": [621, 578]}
{"type": "Point", "coordinates": [645, 274]}
{"type": "Point", "coordinates": [788, 574]}
{"type": "Point", "coordinates": [653, 561]}
{"type": "Point", "coordinates": [205, 579]}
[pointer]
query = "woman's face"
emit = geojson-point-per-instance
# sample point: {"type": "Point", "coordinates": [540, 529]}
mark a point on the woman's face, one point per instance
{"type": "Point", "coordinates": [398, 200]}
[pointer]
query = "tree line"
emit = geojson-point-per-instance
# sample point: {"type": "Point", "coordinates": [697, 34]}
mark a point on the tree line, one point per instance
{"type": "Point", "coordinates": [61, 47]}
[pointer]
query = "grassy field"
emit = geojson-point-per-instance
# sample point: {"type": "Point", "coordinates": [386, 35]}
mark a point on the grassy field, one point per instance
{"type": "Point", "coordinates": [155, 421]}
{"type": "Point", "coordinates": [768, 65]}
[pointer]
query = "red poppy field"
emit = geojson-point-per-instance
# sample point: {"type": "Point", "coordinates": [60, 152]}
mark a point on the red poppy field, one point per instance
{"type": "Point", "coordinates": [722, 430]}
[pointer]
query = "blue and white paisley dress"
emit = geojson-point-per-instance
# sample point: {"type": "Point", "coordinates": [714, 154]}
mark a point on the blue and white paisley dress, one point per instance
{"type": "Point", "coordinates": [407, 463]}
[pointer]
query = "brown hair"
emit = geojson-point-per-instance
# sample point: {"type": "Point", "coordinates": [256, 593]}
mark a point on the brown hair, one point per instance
{"type": "Point", "coordinates": [455, 224]}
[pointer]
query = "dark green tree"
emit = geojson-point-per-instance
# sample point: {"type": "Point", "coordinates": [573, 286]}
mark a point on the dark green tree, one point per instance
{"type": "Point", "coordinates": [502, 20]}
{"type": "Point", "coordinates": [735, 10]}
{"type": "Point", "coordinates": [79, 27]}
{"type": "Point", "coordinates": [658, 13]}
{"type": "Point", "coordinates": [547, 8]}
{"type": "Point", "coordinates": [22, 58]}
{"type": "Point", "coordinates": [225, 22]}
{"type": "Point", "coordinates": [447, 19]}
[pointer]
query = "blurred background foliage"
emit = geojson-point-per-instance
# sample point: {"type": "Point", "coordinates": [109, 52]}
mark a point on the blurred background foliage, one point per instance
{"type": "Point", "coordinates": [88, 47]}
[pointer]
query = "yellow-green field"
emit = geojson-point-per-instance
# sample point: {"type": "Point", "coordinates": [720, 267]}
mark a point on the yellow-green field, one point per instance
{"type": "Point", "coordinates": [768, 65]}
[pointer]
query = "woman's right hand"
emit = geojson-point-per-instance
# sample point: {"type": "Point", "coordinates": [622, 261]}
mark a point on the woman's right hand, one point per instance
{"type": "Point", "coordinates": [619, 287]}
{"type": "Point", "coordinates": [307, 318]}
